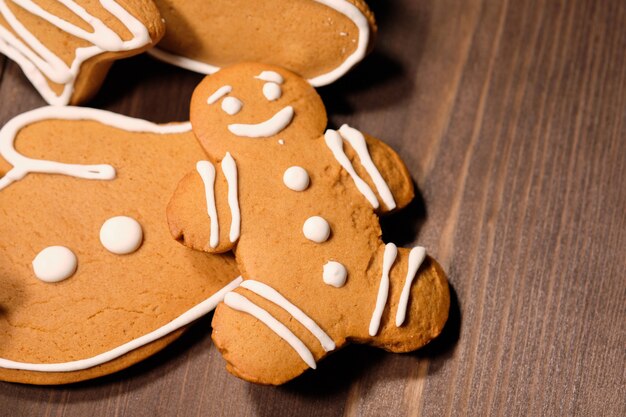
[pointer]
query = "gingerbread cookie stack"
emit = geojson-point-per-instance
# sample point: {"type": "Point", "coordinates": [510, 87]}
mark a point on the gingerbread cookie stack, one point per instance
{"type": "Point", "coordinates": [276, 213]}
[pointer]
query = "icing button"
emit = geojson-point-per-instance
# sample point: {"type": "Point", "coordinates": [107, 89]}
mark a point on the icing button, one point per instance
{"type": "Point", "coordinates": [54, 264]}
{"type": "Point", "coordinates": [335, 274]}
{"type": "Point", "coordinates": [296, 178]}
{"type": "Point", "coordinates": [316, 229]}
{"type": "Point", "coordinates": [121, 235]}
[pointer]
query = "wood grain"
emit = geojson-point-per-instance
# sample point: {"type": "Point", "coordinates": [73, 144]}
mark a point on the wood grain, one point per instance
{"type": "Point", "coordinates": [511, 116]}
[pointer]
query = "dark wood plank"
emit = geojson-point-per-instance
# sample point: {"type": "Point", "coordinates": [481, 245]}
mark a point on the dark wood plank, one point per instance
{"type": "Point", "coordinates": [512, 118]}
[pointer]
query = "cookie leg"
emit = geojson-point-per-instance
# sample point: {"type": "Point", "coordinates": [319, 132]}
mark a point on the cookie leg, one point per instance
{"type": "Point", "coordinates": [416, 308]}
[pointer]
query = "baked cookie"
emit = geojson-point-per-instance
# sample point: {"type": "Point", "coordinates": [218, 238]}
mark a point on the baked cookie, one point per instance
{"type": "Point", "coordinates": [91, 280]}
{"type": "Point", "coordinates": [65, 47]}
{"type": "Point", "coordinates": [299, 208]}
{"type": "Point", "coordinates": [318, 39]}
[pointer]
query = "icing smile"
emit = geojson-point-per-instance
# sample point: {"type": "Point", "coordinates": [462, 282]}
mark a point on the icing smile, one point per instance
{"type": "Point", "coordinates": [272, 126]}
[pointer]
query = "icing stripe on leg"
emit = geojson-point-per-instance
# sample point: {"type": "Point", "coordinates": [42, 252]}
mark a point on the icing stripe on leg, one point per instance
{"type": "Point", "coordinates": [416, 257]}
{"type": "Point", "coordinates": [391, 251]}
{"type": "Point", "coordinates": [240, 303]}
{"type": "Point", "coordinates": [274, 296]}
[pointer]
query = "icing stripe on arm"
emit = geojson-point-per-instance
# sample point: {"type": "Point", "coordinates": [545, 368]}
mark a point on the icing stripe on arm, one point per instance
{"type": "Point", "coordinates": [391, 251]}
{"type": "Point", "coordinates": [335, 144]}
{"type": "Point", "coordinates": [23, 165]}
{"type": "Point", "coordinates": [240, 303]}
{"type": "Point", "coordinates": [274, 296]}
{"type": "Point", "coordinates": [358, 143]}
{"type": "Point", "coordinates": [229, 168]}
{"type": "Point", "coordinates": [207, 173]}
{"type": "Point", "coordinates": [416, 257]}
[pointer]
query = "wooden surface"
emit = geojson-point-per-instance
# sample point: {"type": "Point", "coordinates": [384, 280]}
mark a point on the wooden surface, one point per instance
{"type": "Point", "coordinates": [511, 116]}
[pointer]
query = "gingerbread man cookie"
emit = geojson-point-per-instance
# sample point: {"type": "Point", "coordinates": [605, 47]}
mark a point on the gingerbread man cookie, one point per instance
{"type": "Point", "coordinates": [65, 47]}
{"type": "Point", "coordinates": [299, 209]}
{"type": "Point", "coordinates": [319, 39]}
{"type": "Point", "coordinates": [90, 278]}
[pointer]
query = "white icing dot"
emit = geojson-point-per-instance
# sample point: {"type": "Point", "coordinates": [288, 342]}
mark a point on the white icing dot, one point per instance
{"type": "Point", "coordinates": [296, 178]}
{"type": "Point", "coordinates": [281, 142]}
{"type": "Point", "coordinates": [335, 274]}
{"type": "Point", "coordinates": [231, 105]}
{"type": "Point", "coordinates": [316, 229]}
{"type": "Point", "coordinates": [121, 235]}
{"type": "Point", "coordinates": [54, 264]}
{"type": "Point", "coordinates": [272, 91]}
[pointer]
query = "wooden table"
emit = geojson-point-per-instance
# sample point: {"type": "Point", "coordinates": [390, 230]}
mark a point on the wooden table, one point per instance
{"type": "Point", "coordinates": [511, 116]}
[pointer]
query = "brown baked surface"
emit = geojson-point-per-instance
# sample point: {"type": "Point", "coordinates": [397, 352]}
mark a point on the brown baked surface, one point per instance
{"type": "Point", "coordinates": [272, 247]}
{"type": "Point", "coordinates": [111, 299]}
{"type": "Point", "coordinates": [93, 71]}
{"type": "Point", "coordinates": [305, 36]}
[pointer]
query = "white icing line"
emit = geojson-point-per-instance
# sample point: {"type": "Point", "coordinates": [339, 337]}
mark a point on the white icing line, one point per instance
{"type": "Point", "coordinates": [207, 173]}
{"type": "Point", "coordinates": [39, 63]}
{"type": "Point", "coordinates": [240, 303]}
{"type": "Point", "coordinates": [416, 257]}
{"type": "Point", "coordinates": [270, 76]}
{"type": "Point", "coordinates": [182, 62]}
{"type": "Point", "coordinates": [23, 165]}
{"type": "Point", "coordinates": [229, 168]}
{"type": "Point", "coordinates": [184, 319]}
{"type": "Point", "coordinates": [335, 144]}
{"type": "Point", "coordinates": [274, 296]}
{"type": "Point", "coordinates": [358, 143]}
{"type": "Point", "coordinates": [270, 127]}
{"type": "Point", "coordinates": [342, 6]}
{"type": "Point", "coordinates": [219, 93]}
{"type": "Point", "coordinates": [391, 251]}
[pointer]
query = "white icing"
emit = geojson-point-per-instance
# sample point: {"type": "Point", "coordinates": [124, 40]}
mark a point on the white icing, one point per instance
{"type": "Point", "coordinates": [270, 76]}
{"type": "Point", "coordinates": [272, 91]}
{"type": "Point", "coordinates": [121, 235]}
{"type": "Point", "coordinates": [182, 62]}
{"type": "Point", "coordinates": [416, 257]}
{"type": "Point", "coordinates": [344, 7]}
{"type": "Point", "coordinates": [316, 229]}
{"type": "Point", "coordinates": [335, 274]}
{"type": "Point", "coordinates": [232, 105]}
{"type": "Point", "coordinates": [389, 257]}
{"type": "Point", "coordinates": [296, 178]}
{"type": "Point", "coordinates": [38, 62]}
{"type": "Point", "coordinates": [54, 264]}
{"type": "Point", "coordinates": [274, 296]}
{"type": "Point", "coordinates": [270, 127]}
{"type": "Point", "coordinates": [335, 144]}
{"type": "Point", "coordinates": [184, 319]}
{"type": "Point", "coordinates": [207, 173]}
{"type": "Point", "coordinates": [219, 93]}
{"type": "Point", "coordinates": [240, 303]}
{"type": "Point", "coordinates": [23, 165]}
{"type": "Point", "coordinates": [358, 143]}
{"type": "Point", "coordinates": [229, 168]}
{"type": "Point", "coordinates": [281, 142]}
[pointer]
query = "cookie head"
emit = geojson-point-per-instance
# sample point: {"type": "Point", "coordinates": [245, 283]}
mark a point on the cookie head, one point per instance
{"type": "Point", "coordinates": [249, 105]}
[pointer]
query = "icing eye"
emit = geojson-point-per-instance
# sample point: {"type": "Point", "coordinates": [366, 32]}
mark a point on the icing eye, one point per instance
{"type": "Point", "coordinates": [272, 91]}
{"type": "Point", "coordinates": [231, 105]}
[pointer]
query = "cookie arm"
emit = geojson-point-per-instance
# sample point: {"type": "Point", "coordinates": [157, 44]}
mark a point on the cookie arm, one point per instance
{"type": "Point", "coordinates": [381, 168]}
{"type": "Point", "coordinates": [200, 213]}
